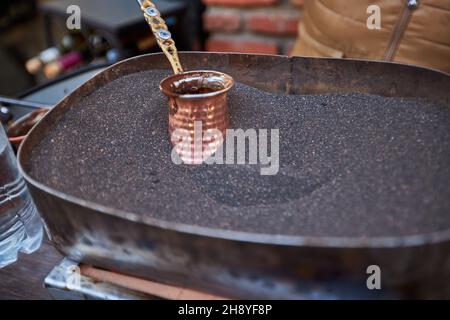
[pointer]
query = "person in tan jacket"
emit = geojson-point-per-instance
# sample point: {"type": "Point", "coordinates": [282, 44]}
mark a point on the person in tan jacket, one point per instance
{"type": "Point", "coordinates": [407, 31]}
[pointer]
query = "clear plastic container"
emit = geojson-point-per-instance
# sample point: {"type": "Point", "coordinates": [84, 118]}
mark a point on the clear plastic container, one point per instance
{"type": "Point", "coordinates": [20, 224]}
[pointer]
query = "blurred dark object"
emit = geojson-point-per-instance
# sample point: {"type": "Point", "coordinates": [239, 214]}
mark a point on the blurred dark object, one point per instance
{"type": "Point", "coordinates": [19, 38]}
{"type": "Point", "coordinates": [13, 76]}
{"type": "Point", "coordinates": [195, 37]}
{"type": "Point", "coordinates": [24, 124]}
{"type": "Point", "coordinates": [19, 129]}
{"type": "Point", "coordinates": [23, 113]}
{"type": "Point", "coordinates": [5, 115]}
{"type": "Point", "coordinates": [13, 11]}
{"type": "Point", "coordinates": [120, 22]}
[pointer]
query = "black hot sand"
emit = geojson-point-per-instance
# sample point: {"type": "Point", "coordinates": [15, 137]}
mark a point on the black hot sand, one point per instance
{"type": "Point", "coordinates": [350, 164]}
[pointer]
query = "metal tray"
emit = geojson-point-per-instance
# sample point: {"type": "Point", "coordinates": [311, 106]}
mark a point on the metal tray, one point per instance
{"type": "Point", "coordinates": [246, 265]}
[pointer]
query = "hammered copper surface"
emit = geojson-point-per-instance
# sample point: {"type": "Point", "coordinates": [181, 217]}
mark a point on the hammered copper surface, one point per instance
{"type": "Point", "coordinates": [198, 112]}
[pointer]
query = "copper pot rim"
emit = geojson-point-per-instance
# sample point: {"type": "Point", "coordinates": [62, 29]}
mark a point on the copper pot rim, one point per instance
{"type": "Point", "coordinates": [164, 85]}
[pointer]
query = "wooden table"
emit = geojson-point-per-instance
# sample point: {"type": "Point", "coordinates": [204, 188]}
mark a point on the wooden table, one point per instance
{"type": "Point", "coordinates": [24, 279]}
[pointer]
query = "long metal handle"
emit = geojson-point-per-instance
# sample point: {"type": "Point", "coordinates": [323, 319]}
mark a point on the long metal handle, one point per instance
{"type": "Point", "coordinates": [23, 103]}
{"type": "Point", "coordinates": [162, 34]}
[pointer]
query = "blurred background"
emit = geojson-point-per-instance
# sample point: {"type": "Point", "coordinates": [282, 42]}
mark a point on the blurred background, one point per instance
{"type": "Point", "coordinates": [38, 51]}
{"type": "Point", "coordinates": [34, 35]}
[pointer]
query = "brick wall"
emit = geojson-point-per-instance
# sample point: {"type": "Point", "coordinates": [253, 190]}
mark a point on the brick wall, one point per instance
{"type": "Point", "coordinates": [256, 26]}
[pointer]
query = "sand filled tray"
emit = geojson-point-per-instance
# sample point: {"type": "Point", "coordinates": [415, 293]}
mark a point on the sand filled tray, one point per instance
{"type": "Point", "coordinates": [362, 180]}
{"type": "Point", "coordinates": [351, 164]}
